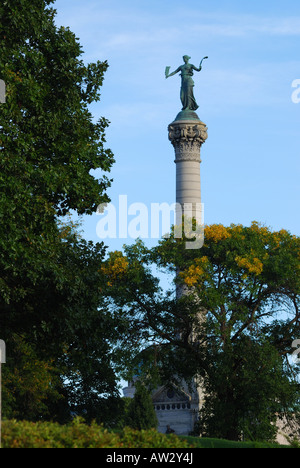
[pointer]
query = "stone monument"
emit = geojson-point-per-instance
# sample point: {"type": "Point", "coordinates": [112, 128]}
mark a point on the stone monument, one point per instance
{"type": "Point", "coordinates": [187, 134]}
{"type": "Point", "coordinates": [177, 406]}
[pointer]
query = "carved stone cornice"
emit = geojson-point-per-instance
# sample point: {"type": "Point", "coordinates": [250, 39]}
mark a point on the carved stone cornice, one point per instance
{"type": "Point", "coordinates": [187, 138]}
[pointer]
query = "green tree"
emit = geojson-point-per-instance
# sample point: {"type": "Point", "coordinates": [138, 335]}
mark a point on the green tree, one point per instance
{"type": "Point", "coordinates": [60, 357]}
{"type": "Point", "coordinates": [50, 146]}
{"type": "Point", "coordinates": [249, 388]}
{"type": "Point", "coordinates": [51, 308]}
{"type": "Point", "coordinates": [233, 327]}
{"type": "Point", "coordinates": [140, 413]}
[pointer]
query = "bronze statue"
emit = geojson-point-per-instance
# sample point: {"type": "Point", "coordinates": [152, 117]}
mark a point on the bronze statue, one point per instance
{"type": "Point", "coordinates": [187, 83]}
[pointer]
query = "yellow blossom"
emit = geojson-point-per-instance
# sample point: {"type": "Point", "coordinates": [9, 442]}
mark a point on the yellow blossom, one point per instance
{"type": "Point", "coordinates": [216, 232]}
{"type": "Point", "coordinates": [116, 267]}
{"type": "Point", "coordinates": [195, 273]}
{"type": "Point", "coordinates": [253, 265]}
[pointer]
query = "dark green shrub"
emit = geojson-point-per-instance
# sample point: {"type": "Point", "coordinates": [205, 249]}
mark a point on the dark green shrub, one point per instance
{"type": "Point", "coordinates": [141, 413]}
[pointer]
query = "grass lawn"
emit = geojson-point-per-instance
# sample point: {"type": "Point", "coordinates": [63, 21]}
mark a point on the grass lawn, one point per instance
{"type": "Point", "coordinates": [200, 442]}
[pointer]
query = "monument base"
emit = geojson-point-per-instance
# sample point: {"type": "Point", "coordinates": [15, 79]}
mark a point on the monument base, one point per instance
{"type": "Point", "coordinates": [187, 114]}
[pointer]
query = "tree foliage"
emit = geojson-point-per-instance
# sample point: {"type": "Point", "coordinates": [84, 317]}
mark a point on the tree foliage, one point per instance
{"type": "Point", "coordinates": [60, 359]}
{"type": "Point", "coordinates": [49, 142]}
{"type": "Point", "coordinates": [232, 321]}
{"type": "Point", "coordinates": [56, 332]}
{"type": "Point", "coordinates": [140, 413]}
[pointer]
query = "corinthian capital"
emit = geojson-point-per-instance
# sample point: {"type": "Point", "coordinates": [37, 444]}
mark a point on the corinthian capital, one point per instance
{"type": "Point", "coordinates": [187, 138]}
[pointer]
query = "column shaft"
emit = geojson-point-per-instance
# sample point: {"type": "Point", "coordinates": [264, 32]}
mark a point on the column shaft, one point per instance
{"type": "Point", "coordinates": [187, 137]}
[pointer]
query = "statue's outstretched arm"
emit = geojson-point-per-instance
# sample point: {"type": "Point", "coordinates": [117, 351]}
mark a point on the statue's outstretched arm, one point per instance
{"type": "Point", "coordinates": [197, 69]}
{"type": "Point", "coordinates": [173, 73]}
{"type": "Point", "coordinates": [200, 66]}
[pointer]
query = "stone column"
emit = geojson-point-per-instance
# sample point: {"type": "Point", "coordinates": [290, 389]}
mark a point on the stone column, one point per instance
{"type": "Point", "coordinates": [187, 134]}
{"type": "Point", "coordinates": [187, 137]}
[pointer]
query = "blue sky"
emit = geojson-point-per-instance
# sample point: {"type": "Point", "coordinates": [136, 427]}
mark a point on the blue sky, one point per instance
{"type": "Point", "coordinates": [250, 162]}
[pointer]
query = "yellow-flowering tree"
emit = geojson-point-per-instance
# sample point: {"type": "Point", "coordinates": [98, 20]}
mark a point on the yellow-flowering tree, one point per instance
{"type": "Point", "coordinates": [234, 325]}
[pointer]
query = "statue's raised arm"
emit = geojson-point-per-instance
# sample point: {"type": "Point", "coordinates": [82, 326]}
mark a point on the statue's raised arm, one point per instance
{"type": "Point", "coordinates": [187, 83]}
{"type": "Point", "coordinates": [168, 74]}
